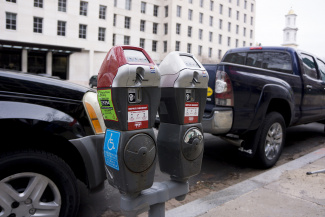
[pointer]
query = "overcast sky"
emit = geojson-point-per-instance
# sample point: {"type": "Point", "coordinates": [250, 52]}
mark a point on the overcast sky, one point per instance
{"type": "Point", "coordinates": [270, 22]}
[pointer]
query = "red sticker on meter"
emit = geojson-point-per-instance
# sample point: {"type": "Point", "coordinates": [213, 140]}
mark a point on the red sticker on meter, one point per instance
{"type": "Point", "coordinates": [137, 117]}
{"type": "Point", "coordinates": [191, 112]}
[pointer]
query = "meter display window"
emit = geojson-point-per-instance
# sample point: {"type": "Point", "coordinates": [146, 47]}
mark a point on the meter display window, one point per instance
{"type": "Point", "coordinates": [135, 56]}
{"type": "Point", "coordinates": [190, 62]}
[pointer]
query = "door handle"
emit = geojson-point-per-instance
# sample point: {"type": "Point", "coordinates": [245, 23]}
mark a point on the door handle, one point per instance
{"type": "Point", "coordinates": [309, 86]}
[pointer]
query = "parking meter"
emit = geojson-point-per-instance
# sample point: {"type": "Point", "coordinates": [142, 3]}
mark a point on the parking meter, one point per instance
{"type": "Point", "coordinates": [129, 94]}
{"type": "Point", "coordinates": [180, 141]}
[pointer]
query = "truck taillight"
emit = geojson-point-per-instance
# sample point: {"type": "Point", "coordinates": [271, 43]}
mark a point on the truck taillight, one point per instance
{"type": "Point", "coordinates": [223, 90]}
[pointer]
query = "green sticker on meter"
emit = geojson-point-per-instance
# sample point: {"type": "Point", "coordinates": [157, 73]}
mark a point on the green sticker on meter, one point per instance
{"type": "Point", "coordinates": [106, 104]}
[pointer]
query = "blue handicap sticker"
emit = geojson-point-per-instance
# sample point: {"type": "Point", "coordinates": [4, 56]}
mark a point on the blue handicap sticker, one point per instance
{"type": "Point", "coordinates": [112, 140]}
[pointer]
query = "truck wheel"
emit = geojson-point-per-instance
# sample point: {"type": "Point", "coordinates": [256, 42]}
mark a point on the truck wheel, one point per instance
{"type": "Point", "coordinates": [271, 140]}
{"type": "Point", "coordinates": [34, 183]}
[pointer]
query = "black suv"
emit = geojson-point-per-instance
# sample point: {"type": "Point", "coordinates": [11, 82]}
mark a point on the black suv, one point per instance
{"type": "Point", "coordinates": [52, 134]}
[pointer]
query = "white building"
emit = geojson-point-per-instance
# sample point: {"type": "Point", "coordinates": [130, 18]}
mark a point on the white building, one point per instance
{"type": "Point", "coordinates": [70, 38]}
{"type": "Point", "coordinates": [290, 30]}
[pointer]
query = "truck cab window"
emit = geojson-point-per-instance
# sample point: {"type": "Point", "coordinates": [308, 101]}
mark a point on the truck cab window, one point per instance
{"type": "Point", "coordinates": [277, 61]}
{"type": "Point", "coordinates": [321, 68]}
{"type": "Point", "coordinates": [254, 59]}
{"type": "Point", "coordinates": [237, 58]}
{"type": "Point", "coordinates": [309, 66]}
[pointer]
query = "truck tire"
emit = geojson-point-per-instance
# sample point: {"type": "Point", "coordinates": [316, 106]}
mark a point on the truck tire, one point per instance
{"type": "Point", "coordinates": [271, 140]}
{"type": "Point", "coordinates": [34, 182]}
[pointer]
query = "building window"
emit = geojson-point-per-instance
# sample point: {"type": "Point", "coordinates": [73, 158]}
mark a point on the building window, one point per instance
{"type": "Point", "coordinates": [238, 2]}
{"type": "Point", "coordinates": [236, 42]}
{"type": "Point", "coordinates": [245, 16]}
{"type": "Point", "coordinates": [220, 24]}
{"type": "Point", "coordinates": [210, 52]}
{"type": "Point", "coordinates": [244, 43]}
{"type": "Point", "coordinates": [237, 15]}
{"type": "Point", "coordinates": [189, 31]}
{"type": "Point", "coordinates": [155, 10]}
{"type": "Point", "coordinates": [229, 26]}
{"type": "Point", "coordinates": [244, 33]}
{"type": "Point", "coordinates": [190, 14]}
{"type": "Point", "coordinates": [166, 28]}
{"type": "Point", "coordinates": [211, 5]}
{"type": "Point", "coordinates": [220, 8]}
{"type": "Point", "coordinates": [11, 21]}
{"type": "Point", "coordinates": [228, 42]}
{"type": "Point", "coordinates": [82, 31]}
{"type": "Point", "coordinates": [251, 34]}
{"type": "Point", "coordinates": [101, 34]}
{"type": "Point", "coordinates": [142, 25]}
{"type": "Point", "coordinates": [38, 24]}
{"type": "Point", "coordinates": [128, 4]}
{"type": "Point", "coordinates": [245, 5]}
{"type": "Point", "coordinates": [252, 20]}
{"type": "Point", "coordinates": [179, 11]}
{"type": "Point", "coordinates": [220, 39]}
{"type": "Point", "coordinates": [38, 3]}
{"type": "Point", "coordinates": [200, 34]}
{"type": "Point", "coordinates": [143, 7]}
{"type": "Point", "coordinates": [115, 4]}
{"type": "Point", "coordinates": [210, 36]}
{"type": "Point", "coordinates": [189, 48]}
{"type": "Point", "coordinates": [177, 45]}
{"type": "Point", "coordinates": [229, 12]}
{"type": "Point", "coordinates": [165, 46]}
{"type": "Point", "coordinates": [62, 5]}
{"type": "Point", "coordinates": [13, 1]}
{"type": "Point", "coordinates": [61, 28]}
{"type": "Point", "coordinates": [114, 20]}
{"type": "Point", "coordinates": [166, 11]}
{"type": "Point", "coordinates": [113, 40]}
{"type": "Point", "coordinates": [201, 3]}
{"type": "Point", "coordinates": [142, 42]}
{"type": "Point", "coordinates": [237, 29]}
{"type": "Point", "coordinates": [127, 22]}
{"type": "Point", "coordinates": [83, 8]}
{"type": "Point", "coordinates": [178, 28]}
{"type": "Point", "coordinates": [155, 28]}
{"type": "Point", "coordinates": [211, 20]}
{"type": "Point", "coordinates": [201, 18]}
{"type": "Point", "coordinates": [199, 50]}
{"type": "Point", "coordinates": [190, 1]}
{"type": "Point", "coordinates": [219, 54]}
{"type": "Point", "coordinates": [252, 7]}
{"type": "Point", "coordinates": [126, 40]}
{"type": "Point", "coordinates": [154, 46]}
{"type": "Point", "coordinates": [102, 12]}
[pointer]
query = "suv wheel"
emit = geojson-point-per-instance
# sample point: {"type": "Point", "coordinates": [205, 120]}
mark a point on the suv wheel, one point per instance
{"type": "Point", "coordinates": [271, 140]}
{"type": "Point", "coordinates": [36, 183]}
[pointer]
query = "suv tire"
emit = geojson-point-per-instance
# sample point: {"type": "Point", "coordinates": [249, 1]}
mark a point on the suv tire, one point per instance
{"type": "Point", "coordinates": [34, 181]}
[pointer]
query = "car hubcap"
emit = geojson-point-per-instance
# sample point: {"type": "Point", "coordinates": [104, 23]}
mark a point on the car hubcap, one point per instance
{"type": "Point", "coordinates": [28, 194]}
{"type": "Point", "coordinates": [273, 141]}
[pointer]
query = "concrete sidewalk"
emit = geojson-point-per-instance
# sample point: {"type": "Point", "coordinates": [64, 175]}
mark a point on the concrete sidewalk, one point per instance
{"type": "Point", "coordinates": [281, 191]}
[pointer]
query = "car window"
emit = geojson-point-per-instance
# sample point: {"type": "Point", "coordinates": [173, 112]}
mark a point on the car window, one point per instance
{"type": "Point", "coordinates": [254, 59]}
{"type": "Point", "coordinates": [238, 58]}
{"type": "Point", "coordinates": [277, 61]}
{"type": "Point", "coordinates": [309, 66]}
{"type": "Point", "coordinates": [321, 68]}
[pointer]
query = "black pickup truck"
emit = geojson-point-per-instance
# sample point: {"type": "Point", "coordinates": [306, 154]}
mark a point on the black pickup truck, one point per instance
{"type": "Point", "coordinates": [52, 134]}
{"type": "Point", "coordinates": [256, 93]}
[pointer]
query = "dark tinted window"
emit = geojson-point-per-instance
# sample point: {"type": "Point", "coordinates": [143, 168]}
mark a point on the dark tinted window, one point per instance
{"type": "Point", "coordinates": [277, 61]}
{"type": "Point", "coordinates": [238, 58]}
{"type": "Point", "coordinates": [309, 66]}
{"type": "Point", "coordinates": [321, 68]}
{"type": "Point", "coordinates": [254, 59]}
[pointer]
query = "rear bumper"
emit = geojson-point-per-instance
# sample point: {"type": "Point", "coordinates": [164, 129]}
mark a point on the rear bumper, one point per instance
{"type": "Point", "coordinates": [219, 121]}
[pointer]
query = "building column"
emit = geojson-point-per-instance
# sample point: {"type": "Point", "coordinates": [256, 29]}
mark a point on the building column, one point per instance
{"type": "Point", "coordinates": [91, 62]}
{"type": "Point", "coordinates": [49, 63]}
{"type": "Point", "coordinates": [24, 60]}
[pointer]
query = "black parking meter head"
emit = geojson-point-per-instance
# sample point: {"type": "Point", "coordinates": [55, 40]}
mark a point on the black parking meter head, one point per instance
{"type": "Point", "coordinates": [184, 83]}
{"type": "Point", "coordinates": [128, 95]}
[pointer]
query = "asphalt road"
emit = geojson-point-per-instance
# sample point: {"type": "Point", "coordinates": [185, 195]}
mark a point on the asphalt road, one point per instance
{"type": "Point", "coordinates": [221, 167]}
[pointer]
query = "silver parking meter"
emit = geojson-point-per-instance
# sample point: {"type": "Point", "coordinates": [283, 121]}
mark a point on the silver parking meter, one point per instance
{"type": "Point", "coordinates": [129, 94]}
{"type": "Point", "coordinates": [184, 83]}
